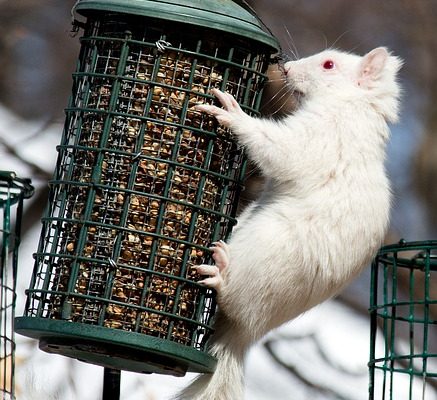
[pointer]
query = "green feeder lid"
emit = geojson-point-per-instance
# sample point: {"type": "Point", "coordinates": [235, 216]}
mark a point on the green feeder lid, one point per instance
{"type": "Point", "coordinates": [223, 15]}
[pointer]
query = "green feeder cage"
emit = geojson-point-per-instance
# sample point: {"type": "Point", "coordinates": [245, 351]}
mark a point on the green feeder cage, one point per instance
{"type": "Point", "coordinates": [12, 193]}
{"type": "Point", "coordinates": [403, 354]}
{"type": "Point", "coordinates": [144, 183]}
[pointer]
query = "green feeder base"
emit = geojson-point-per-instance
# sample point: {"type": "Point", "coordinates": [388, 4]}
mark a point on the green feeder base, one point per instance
{"type": "Point", "coordinates": [114, 348]}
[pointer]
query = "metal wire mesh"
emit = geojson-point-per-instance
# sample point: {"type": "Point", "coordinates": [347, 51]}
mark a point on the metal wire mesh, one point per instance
{"type": "Point", "coordinates": [144, 183]}
{"type": "Point", "coordinates": [403, 358]}
{"type": "Point", "coordinates": [12, 193]}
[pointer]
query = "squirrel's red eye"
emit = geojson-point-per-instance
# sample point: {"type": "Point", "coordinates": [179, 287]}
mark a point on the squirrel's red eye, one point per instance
{"type": "Point", "coordinates": [329, 64]}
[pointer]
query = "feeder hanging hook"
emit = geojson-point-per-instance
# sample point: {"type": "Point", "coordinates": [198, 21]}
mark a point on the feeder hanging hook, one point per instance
{"type": "Point", "coordinates": [162, 45]}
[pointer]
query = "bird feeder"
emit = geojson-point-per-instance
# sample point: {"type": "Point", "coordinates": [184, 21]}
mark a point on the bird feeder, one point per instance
{"type": "Point", "coordinates": [12, 193]}
{"type": "Point", "coordinates": [403, 354]}
{"type": "Point", "coordinates": [144, 183]}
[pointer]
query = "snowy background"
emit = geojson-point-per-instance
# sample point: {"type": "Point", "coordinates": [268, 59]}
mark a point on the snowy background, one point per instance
{"type": "Point", "coordinates": [323, 354]}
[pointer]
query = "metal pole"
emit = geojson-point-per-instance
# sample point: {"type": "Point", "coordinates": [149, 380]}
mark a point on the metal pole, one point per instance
{"type": "Point", "coordinates": [111, 384]}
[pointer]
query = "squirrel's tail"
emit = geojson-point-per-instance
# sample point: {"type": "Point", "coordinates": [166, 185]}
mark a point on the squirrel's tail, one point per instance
{"type": "Point", "coordinates": [226, 383]}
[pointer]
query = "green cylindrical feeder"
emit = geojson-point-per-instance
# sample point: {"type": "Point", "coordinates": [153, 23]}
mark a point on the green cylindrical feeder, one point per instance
{"type": "Point", "coordinates": [13, 191]}
{"type": "Point", "coordinates": [144, 183]}
{"type": "Point", "coordinates": [403, 309]}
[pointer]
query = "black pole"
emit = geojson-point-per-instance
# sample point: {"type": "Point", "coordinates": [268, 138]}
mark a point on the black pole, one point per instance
{"type": "Point", "coordinates": [111, 384]}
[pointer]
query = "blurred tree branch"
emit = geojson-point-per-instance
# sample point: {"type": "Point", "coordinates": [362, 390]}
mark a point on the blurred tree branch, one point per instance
{"type": "Point", "coordinates": [296, 372]}
{"type": "Point", "coordinates": [421, 34]}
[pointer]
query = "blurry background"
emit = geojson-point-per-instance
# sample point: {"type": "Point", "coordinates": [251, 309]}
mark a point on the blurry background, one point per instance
{"type": "Point", "coordinates": [323, 354]}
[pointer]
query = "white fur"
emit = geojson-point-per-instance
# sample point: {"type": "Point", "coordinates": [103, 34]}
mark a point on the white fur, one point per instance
{"type": "Point", "coordinates": [324, 210]}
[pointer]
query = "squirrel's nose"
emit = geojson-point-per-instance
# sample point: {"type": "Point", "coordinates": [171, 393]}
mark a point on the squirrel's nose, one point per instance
{"type": "Point", "coordinates": [287, 66]}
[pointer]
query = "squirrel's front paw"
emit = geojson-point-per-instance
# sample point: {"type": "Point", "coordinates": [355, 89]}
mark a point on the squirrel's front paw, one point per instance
{"type": "Point", "coordinates": [230, 112]}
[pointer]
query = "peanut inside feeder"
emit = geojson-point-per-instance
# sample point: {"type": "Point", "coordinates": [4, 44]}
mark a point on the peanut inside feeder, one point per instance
{"type": "Point", "coordinates": [144, 183]}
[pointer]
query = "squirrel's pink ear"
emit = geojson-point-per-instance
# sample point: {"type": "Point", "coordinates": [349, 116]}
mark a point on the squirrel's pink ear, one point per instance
{"type": "Point", "coordinates": [371, 67]}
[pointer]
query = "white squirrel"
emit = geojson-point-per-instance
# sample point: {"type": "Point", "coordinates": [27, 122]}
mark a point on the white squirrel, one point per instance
{"type": "Point", "coordinates": [322, 215]}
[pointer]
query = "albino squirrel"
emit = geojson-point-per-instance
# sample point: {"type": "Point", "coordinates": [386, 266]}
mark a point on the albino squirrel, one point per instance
{"type": "Point", "coordinates": [322, 215]}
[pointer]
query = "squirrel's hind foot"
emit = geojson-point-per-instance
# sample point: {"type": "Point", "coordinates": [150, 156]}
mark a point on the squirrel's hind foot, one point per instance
{"type": "Point", "coordinates": [221, 256]}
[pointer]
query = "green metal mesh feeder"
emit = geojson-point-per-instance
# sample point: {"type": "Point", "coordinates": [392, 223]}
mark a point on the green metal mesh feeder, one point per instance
{"type": "Point", "coordinates": [12, 193]}
{"type": "Point", "coordinates": [144, 183]}
{"type": "Point", "coordinates": [403, 358]}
